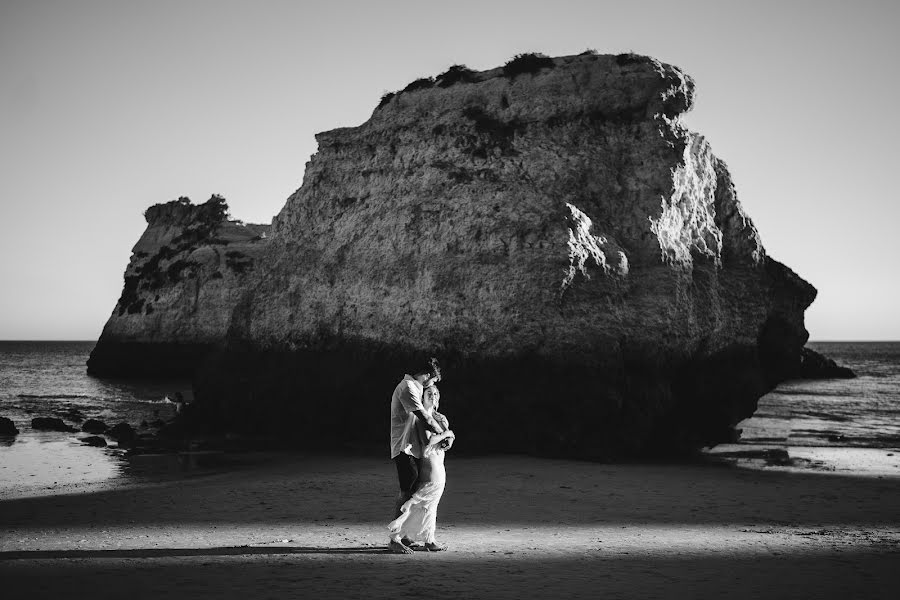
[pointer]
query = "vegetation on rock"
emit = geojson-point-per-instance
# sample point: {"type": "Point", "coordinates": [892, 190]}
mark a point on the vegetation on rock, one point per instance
{"type": "Point", "coordinates": [455, 74]}
{"type": "Point", "coordinates": [529, 63]}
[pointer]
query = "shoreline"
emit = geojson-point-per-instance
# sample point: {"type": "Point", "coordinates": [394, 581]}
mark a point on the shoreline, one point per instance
{"type": "Point", "coordinates": [99, 469]}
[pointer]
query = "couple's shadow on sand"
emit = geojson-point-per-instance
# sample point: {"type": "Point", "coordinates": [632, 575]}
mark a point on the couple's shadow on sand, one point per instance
{"type": "Point", "coordinates": [187, 552]}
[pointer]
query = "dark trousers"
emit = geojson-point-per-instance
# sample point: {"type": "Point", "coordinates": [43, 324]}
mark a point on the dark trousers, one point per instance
{"type": "Point", "coordinates": [407, 472]}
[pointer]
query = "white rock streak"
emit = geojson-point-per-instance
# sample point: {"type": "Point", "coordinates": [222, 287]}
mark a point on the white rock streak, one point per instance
{"type": "Point", "coordinates": [585, 248]}
{"type": "Point", "coordinates": [686, 223]}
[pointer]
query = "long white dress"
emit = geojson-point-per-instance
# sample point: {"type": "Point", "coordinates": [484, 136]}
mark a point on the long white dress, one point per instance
{"type": "Point", "coordinates": [418, 518]}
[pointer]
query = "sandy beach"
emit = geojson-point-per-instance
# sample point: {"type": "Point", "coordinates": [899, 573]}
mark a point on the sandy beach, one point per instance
{"type": "Point", "coordinates": [298, 526]}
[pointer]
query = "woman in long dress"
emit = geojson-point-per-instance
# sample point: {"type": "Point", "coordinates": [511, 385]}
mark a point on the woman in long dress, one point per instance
{"type": "Point", "coordinates": [418, 517]}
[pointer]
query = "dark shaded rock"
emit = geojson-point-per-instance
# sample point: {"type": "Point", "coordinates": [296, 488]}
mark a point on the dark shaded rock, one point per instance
{"type": "Point", "coordinates": [94, 426]}
{"type": "Point", "coordinates": [51, 424]}
{"type": "Point", "coordinates": [7, 427]}
{"type": "Point", "coordinates": [114, 358]}
{"type": "Point", "coordinates": [816, 366]}
{"type": "Point", "coordinates": [122, 433]}
{"type": "Point", "coordinates": [94, 440]}
{"type": "Point", "coordinates": [175, 429]}
{"type": "Point", "coordinates": [158, 423]}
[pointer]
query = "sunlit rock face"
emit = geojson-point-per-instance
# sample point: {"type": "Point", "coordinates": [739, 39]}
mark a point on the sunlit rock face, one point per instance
{"type": "Point", "coordinates": [185, 275]}
{"type": "Point", "coordinates": [575, 257]}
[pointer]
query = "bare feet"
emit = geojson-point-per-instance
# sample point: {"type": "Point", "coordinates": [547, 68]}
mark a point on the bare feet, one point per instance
{"type": "Point", "coordinates": [434, 547]}
{"type": "Point", "coordinates": [397, 547]}
{"type": "Point", "coordinates": [408, 542]}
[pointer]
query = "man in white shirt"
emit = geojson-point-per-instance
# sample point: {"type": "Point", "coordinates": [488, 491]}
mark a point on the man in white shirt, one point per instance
{"type": "Point", "coordinates": [406, 451]}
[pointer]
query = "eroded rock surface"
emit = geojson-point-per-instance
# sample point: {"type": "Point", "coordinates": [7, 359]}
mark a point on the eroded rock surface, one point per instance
{"type": "Point", "coordinates": [577, 259]}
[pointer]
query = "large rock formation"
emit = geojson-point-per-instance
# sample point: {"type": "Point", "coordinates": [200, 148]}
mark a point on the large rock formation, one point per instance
{"type": "Point", "coordinates": [577, 259]}
{"type": "Point", "coordinates": [186, 272]}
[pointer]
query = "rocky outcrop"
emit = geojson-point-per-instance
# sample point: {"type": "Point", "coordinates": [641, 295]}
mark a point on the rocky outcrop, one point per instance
{"type": "Point", "coordinates": [51, 424]}
{"type": "Point", "coordinates": [577, 259]}
{"type": "Point", "coordinates": [122, 433]}
{"type": "Point", "coordinates": [8, 427]}
{"type": "Point", "coordinates": [97, 441]}
{"type": "Point", "coordinates": [186, 274]}
{"type": "Point", "coordinates": [94, 426]}
{"type": "Point", "coordinates": [815, 366]}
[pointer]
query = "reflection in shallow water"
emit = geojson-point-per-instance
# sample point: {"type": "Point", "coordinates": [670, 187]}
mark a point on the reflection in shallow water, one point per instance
{"type": "Point", "coordinates": [44, 462]}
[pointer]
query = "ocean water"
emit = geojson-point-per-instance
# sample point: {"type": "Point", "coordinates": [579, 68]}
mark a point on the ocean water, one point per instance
{"type": "Point", "coordinates": [49, 379]}
{"type": "Point", "coordinates": [851, 413]}
{"type": "Point", "coordinates": [850, 425]}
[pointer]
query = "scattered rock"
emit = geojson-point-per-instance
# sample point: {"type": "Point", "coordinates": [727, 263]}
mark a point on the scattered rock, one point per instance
{"type": "Point", "coordinates": [122, 433]}
{"type": "Point", "coordinates": [51, 424]}
{"type": "Point", "coordinates": [7, 427]}
{"type": "Point", "coordinates": [94, 426]}
{"type": "Point", "coordinates": [94, 440]}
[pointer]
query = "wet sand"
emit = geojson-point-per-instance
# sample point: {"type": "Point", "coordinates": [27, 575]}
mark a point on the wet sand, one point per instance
{"type": "Point", "coordinates": [516, 527]}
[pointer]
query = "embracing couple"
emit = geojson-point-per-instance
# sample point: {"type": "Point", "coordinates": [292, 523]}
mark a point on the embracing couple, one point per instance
{"type": "Point", "coordinates": [419, 437]}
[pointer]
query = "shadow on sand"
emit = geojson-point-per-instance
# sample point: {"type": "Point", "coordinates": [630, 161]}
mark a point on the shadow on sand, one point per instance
{"type": "Point", "coordinates": [324, 573]}
{"type": "Point", "coordinates": [185, 552]}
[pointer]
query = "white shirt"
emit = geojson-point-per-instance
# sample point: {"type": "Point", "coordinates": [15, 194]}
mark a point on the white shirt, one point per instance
{"type": "Point", "coordinates": [407, 398]}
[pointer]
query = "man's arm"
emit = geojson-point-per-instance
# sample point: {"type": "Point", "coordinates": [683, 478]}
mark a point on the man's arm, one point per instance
{"type": "Point", "coordinates": [411, 399]}
{"type": "Point", "coordinates": [429, 422]}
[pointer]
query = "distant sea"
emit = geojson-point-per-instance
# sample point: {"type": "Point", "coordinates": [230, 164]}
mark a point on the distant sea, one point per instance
{"type": "Point", "coordinates": [855, 413]}
{"type": "Point", "coordinates": [836, 424]}
{"type": "Point", "coordinates": [49, 379]}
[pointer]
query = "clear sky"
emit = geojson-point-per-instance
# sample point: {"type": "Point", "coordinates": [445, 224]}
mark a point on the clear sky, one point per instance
{"type": "Point", "coordinates": [110, 106]}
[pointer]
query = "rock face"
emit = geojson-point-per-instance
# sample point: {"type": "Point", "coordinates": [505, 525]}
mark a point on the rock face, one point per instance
{"type": "Point", "coordinates": [186, 273]}
{"type": "Point", "coordinates": [575, 257]}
